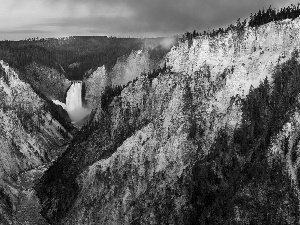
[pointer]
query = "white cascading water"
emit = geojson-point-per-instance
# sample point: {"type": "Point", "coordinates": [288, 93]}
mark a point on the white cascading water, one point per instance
{"type": "Point", "coordinates": [73, 100]}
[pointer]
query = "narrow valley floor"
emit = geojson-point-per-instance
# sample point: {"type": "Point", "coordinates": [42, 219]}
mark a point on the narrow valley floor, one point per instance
{"type": "Point", "coordinates": [28, 208]}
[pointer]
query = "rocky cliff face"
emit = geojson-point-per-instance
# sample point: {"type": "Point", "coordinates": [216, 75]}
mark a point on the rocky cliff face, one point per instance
{"type": "Point", "coordinates": [28, 133]}
{"type": "Point", "coordinates": [214, 141]}
{"type": "Point", "coordinates": [126, 69]}
{"type": "Point", "coordinates": [245, 59]}
{"type": "Point", "coordinates": [95, 84]}
{"type": "Point", "coordinates": [46, 80]}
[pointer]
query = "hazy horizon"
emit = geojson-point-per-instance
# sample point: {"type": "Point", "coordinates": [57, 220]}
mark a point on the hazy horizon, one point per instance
{"type": "Point", "coordinates": [23, 19]}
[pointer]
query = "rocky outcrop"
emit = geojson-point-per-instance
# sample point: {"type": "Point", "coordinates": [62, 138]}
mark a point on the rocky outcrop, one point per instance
{"type": "Point", "coordinates": [94, 86]}
{"type": "Point", "coordinates": [126, 69]}
{"type": "Point", "coordinates": [214, 141]}
{"type": "Point", "coordinates": [28, 135]}
{"type": "Point", "coordinates": [48, 81]}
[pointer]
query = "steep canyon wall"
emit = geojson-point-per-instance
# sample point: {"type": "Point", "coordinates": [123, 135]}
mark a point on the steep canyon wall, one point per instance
{"type": "Point", "coordinates": [211, 134]}
{"type": "Point", "coordinates": [29, 135]}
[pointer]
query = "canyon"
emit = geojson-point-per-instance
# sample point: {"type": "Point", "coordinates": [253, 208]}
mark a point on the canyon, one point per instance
{"type": "Point", "coordinates": [205, 133]}
{"type": "Point", "coordinates": [38, 123]}
{"type": "Point", "coordinates": [183, 135]}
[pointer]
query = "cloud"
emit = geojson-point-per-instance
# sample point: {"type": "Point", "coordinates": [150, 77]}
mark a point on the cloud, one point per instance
{"type": "Point", "coordinates": [168, 42]}
{"type": "Point", "coordinates": [127, 17]}
{"type": "Point", "coordinates": [24, 31]}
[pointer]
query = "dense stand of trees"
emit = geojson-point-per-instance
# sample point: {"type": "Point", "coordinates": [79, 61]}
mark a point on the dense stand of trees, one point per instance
{"type": "Point", "coordinates": [20, 54]}
{"type": "Point", "coordinates": [258, 19]}
{"type": "Point", "coordinates": [221, 178]}
{"type": "Point", "coordinates": [85, 51]}
{"type": "Point", "coordinates": [108, 95]}
{"type": "Point", "coordinates": [89, 52]}
{"type": "Point", "coordinates": [266, 16]}
{"type": "Point", "coordinates": [238, 27]}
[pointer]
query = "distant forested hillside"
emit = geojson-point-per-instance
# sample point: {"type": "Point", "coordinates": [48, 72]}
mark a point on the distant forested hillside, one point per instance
{"type": "Point", "coordinates": [74, 56]}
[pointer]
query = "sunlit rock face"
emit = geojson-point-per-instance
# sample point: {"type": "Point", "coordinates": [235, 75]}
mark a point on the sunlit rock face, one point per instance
{"type": "Point", "coordinates": [74, 105]}
{"type": "Point", "coordinates": [139, 168]}
{"type": "Point", "coordinates": [126, 69]}
{"type": "Point", "coordinates": [251, 55]}
{"type": "Point", "coordinates": [28, 136]}
{"type": "Point", "coordinates": [95, 84]}
{"type": "Point", "coordinates": [130, 67]}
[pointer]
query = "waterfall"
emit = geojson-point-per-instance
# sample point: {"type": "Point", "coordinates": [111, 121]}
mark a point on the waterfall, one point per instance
{"type": "Point", "coordinates": [73, 100]}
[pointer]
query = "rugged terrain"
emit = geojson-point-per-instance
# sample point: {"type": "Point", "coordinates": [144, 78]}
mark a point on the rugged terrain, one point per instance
{"type": "Point", "coordinates": [34, 131]}
{"type": "Point", "coordinates": [204, 133]}
{"type": "Point", "coordinates": [211, 140]}
{"type": "Point", "coordinates": [30, 138]}
{"type": "Point", "coordinates": [126, 69]}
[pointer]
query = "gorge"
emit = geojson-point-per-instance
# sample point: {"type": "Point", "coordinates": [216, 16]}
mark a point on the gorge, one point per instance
{"type": "Point", "coordinates": [204, 131]}
{"type": "Point", "coordinates": [36, 126]}
{"type": "Point", "coordinates": [194, 140]}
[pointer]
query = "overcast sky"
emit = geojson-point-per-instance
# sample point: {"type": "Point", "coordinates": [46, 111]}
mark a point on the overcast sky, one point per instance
{"type": "Point", "coordinates": [21, 19]}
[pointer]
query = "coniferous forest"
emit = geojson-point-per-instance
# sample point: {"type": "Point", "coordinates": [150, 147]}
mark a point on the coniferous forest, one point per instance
{"type": "Point", "coordinates": [221, 178]}
{"type": "Point", "coordinates": [257, 19]}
